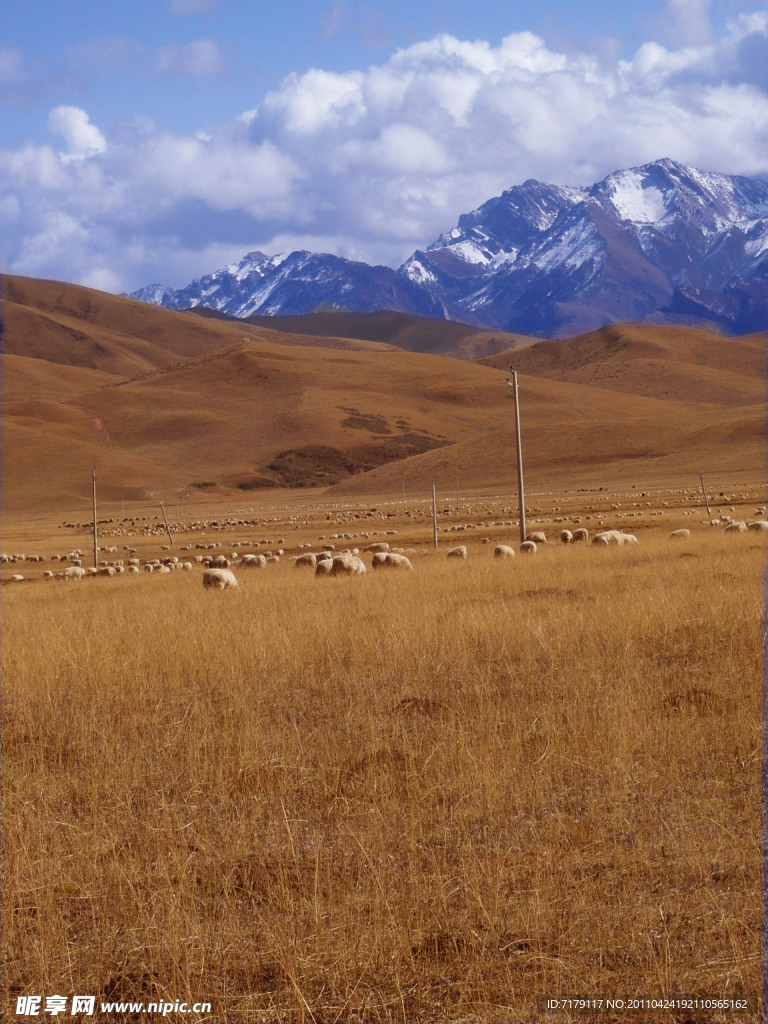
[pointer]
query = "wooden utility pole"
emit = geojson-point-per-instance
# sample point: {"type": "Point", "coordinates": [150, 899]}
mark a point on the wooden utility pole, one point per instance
{"type": "Point", "coordinates": [706, 500]}
{"type": "Point", "coordinates": [434, 514]}
{"type": "Point", "coordinates": [95, 530]}
{"type": "Point", "coordinates": [457, 494]}
{"type": "Point", "coordinates": [520, 491]}
{"type": "Point", "coordinates": [167, 527]}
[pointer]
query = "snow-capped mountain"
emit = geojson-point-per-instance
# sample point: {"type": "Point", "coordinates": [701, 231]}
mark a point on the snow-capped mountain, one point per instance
{"type": "Point", "coordinates": [298, 282]}
{"type": "Point", "coordinates": [661, 242]}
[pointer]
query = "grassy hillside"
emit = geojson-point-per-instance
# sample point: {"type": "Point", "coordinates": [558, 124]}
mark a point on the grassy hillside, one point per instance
{"type": "Point", "coordinates": [411, 333]}
{"type": "Point", "coordinates": [678, 363]}
{"type": "Point", "coordinates": [162, 402]}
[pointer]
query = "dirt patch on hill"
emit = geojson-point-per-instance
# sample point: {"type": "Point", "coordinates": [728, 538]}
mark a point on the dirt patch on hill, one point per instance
{"type": "Point", "coordinates": [323, 465]}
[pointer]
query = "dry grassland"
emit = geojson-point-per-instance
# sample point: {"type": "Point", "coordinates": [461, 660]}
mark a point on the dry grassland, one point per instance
{"type": "Point", "coordinates": [440, 796]}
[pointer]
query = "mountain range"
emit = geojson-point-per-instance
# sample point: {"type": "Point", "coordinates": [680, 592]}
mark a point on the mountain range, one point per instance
{"type": "Point", "coordinates": [661, 243]}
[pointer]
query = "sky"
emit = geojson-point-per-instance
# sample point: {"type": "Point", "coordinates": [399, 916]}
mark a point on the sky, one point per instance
{"type": "Point", "coordinates": [154, 141]}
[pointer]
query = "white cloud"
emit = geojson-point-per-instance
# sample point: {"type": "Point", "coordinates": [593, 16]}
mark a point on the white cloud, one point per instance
{"type": "Point", "coordinates": [371, 164]}
{"type": "Point", "coordinates": [82, 138]}
{"type": "Point", "coordinates": [200, 59]}
{"type": "Point", "coordinates": [687, 22]}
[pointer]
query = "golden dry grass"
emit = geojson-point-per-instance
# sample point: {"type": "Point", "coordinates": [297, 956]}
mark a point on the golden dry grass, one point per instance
{"type": "Point", "coordinates": [439, 796]}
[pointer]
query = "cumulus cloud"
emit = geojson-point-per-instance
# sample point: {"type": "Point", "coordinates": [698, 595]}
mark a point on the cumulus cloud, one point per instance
{"type": "Point", "coordinates": [371, 164]}
{"type": "Point", "coordinates": [200, 59]}
{"type": "Point", "coordinates": [83, 139]}
{"type": "Point", "coordinates": [687, 22]}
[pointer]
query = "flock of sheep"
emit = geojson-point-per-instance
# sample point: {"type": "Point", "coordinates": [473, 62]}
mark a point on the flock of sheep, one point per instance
{"type": "Point", "coordinates": [217, 568]}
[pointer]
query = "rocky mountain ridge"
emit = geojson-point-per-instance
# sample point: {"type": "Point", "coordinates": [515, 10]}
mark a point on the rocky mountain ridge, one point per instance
{"type": "Point", "coordinates": [661, 243]}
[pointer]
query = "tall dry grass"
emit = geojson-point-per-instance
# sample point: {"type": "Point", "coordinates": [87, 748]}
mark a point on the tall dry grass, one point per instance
{"type": "Point", "coordinates": [440, 796]}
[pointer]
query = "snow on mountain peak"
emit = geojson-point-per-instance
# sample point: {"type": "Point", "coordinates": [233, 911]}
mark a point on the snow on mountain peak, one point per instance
{"type": "Point", "coordinates": [635, 198]}
{"type": "Point", "coordinates": [539, 258]}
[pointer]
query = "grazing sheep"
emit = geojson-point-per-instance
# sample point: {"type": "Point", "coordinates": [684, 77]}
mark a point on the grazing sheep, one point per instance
{"type": "Point", "coordinates": [736, 527]}
{"type": "Point", "coordinates": [566, 537]}
{"type": "Point", "coordinates": [219, 579]}
{"type": "Point", "coordinates": [538, 537]}
{"type": "Point", "coordinates": [219, 562]}
{"type": "Point", "coordinates": [609, 537]}
{"type": "Point", "coordinates": [391, 560]}
{"type": "Point", "coordinates": [308, 559]}
{"type": "Point", "coordinates": [347, 565]}
{"type": "Point", "coordinates": [758, 525]}
{"type": "Point", "coordinates": [503, 551]}
{"type": "Point", "coordinates": [528, 547]}
{"type": "Point", "coordinates": [253, 561]}
{"type": "Point", "coordinates": [377, 547]}
{"type": "Point", "coordinates": [323, 567]}
{"type": "Point", "coordinates": [682, 534]}
{"type": "Point", "coordinates": [580, 536]}
{"type": "Point", "coordinates": [629, 538]}
{"type": "Point", "coordinates": [457, 552]}
{"type": "Point", "coordinates": [17, 578]}
{"type": "Point", "coordinates": [106, 570]}
{"type": "Point", "coordinates": [133, 568]}
{"type": "Point", "coordinates": [72, 572]}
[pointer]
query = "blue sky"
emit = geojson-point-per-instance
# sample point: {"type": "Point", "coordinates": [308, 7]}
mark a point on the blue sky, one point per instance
{"type": "Point", "coordinates": [161, 139]}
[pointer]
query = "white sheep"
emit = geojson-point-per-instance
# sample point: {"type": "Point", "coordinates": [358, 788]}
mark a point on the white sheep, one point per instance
{"type": "Point", "coordinates": [503, 551]}
{"type": "Point", "coordinates": [347, 565]}
{"type": "Point", "coordinates": [377, 547]}
{"type": "Point", "coordinates": [566, 537]}
{"type": "Point", "coordinates": [681, 534]}
{"type": "Point", "coordinates": [391, 560]}
{"type": "Point", "coordinates": [538, 537]}
{"type": "Point", "coordinates": [528, 547]}
{"type": "Point", "coordinates": [306, 560]}
{"type": "Point", "coordinates": [580, 536]}
{"type": "Point", "coordinates": [219, 579]}
{"type": "Point", "coordinates": [253, 561]}
{"type": "Point", "coordinates": [758, 525]}
{"type": "Point", "coordinates": [457, 552]}
{"type": "Point", "coordinates": [736, 527]}
{"type": "Point", "coordinates": [609, 537]}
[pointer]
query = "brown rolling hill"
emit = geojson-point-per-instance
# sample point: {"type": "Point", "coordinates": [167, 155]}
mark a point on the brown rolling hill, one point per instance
{"type": "Point", "coordinates": [74, 326]}
{"type": "Point", "coordinates": [679, 363]}
{"type": "Point", "coordinates": [411, 333]}
{"type": "Point", "coordinates": [166, 404]}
